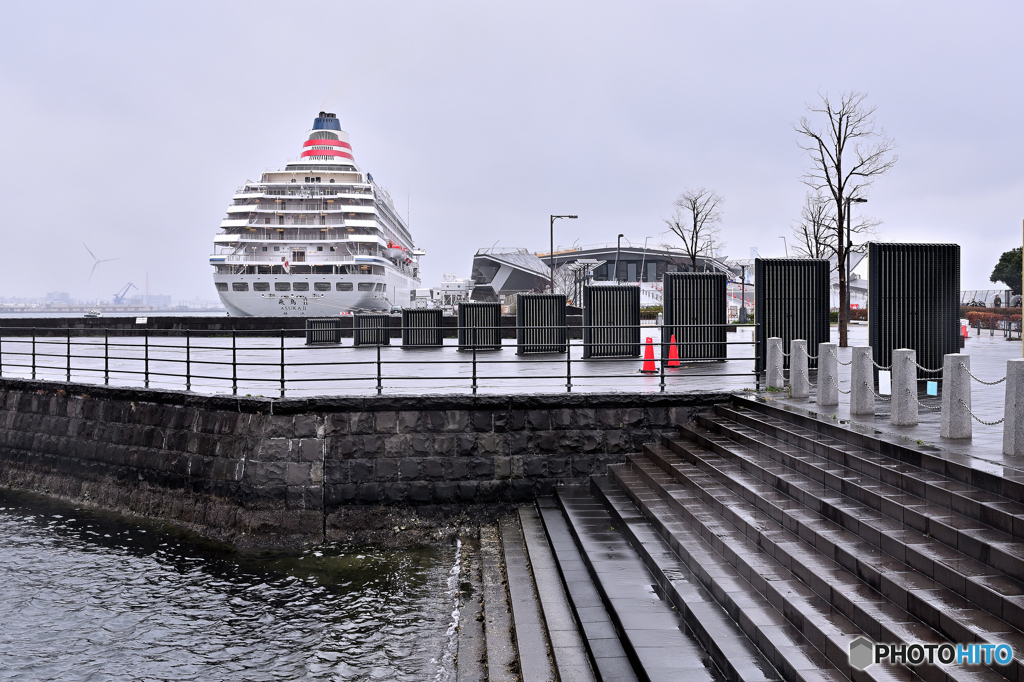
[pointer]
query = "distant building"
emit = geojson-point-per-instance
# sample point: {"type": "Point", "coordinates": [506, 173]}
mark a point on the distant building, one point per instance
{"type": "Point", "coordinates": [158, 300]}
{"type": "Point", "coordinates": [636, 264]}
{"type": "Point", "coordinates": [59, 297]}
{"type": "Point", "coordinates": [500, 272]}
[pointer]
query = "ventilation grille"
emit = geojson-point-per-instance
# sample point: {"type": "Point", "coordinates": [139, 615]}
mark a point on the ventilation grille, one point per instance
{"type": "Point", "coordinates": [791, 301]}
{"type": "Point", "coordinates": [611, 321]}
{"type": "Point", "coordinates": [540, 323]}
{"type": "Point", "coordinates": [422, 327]}
{"type": "Point", "coordinates": [480, 325]}
{"type": "Point", "coordinates": [914, 302]}
{"type": "Point", "coordinates": [371, 330]}
{"type": "Point", "coordinates": [323, 330]}
{"type": "Point", "coordinates": [695, 298]}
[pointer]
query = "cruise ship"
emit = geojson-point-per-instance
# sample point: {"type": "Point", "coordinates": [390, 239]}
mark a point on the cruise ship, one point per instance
{"type": "Point", "coordinates": [316, 238]}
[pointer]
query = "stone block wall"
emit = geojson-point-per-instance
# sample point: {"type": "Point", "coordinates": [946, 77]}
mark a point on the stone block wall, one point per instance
{"type": "Point", "coordinates": [264, 471]}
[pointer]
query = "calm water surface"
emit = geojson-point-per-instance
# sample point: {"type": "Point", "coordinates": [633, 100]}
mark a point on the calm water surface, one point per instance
{"type": "Point", "coordinates": [86, 595]}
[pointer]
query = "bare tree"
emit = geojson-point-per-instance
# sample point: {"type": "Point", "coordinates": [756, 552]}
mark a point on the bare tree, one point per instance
{"type": "Point", "coordinates": [847, 154]}
{"type": "Point", "coordinates": [695, 222]}
{"type": "Point", "coordinates": [816, 232]}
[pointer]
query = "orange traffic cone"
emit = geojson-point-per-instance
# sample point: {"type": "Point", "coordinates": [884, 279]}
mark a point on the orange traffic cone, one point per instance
{"type": "Point", "coordinates": [673, 353]}
{"type": "Point", "coordinates": [648, 367]}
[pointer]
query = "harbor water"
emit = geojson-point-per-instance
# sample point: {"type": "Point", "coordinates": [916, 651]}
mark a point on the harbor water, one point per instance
{"type": "Point", "coordinates": [86, 595]}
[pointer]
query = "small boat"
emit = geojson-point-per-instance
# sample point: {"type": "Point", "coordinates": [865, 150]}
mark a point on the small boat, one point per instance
{"type": "Point", "coordinates": [94, 313]}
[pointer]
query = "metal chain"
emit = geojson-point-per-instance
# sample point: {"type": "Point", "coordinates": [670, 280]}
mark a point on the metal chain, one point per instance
{"type": "Point", "coordinates": [833, 353]}
{"type": "Point", "coordinates": [927, 407]}
{"type": "Point", "coordinates": [980, 421]}
{"type": "Point", "coordinates": [884, 368]}
{"type": "Point", "coordinates": [837, 385]}
{"type": "Point", "coordinates": [925, 369]}
{"type": "Point", "coordinates": [982, 381]}
{"type": "Point", "coordinates": [880, 396]}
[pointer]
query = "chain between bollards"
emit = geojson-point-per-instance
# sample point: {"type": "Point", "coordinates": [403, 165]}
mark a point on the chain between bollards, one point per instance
{"type": "Point", "coordinates": [977, 419]}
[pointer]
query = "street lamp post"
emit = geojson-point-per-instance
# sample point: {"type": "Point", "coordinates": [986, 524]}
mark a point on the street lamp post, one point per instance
{"type": "Point", "coordinates": [551, 255]}
{"type": "Point", "coordinates": [785, 245]}
{"type": "Point", "coordinates": [618, 248]}
{"type": "Point", "coordinates": [849, 245]}
{"type": "Point", "coordinates": [643, 260]}
{"type": "Point", "coordinates": [743, 294]}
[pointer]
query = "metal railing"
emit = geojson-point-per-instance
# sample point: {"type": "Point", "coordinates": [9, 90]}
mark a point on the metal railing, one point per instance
{"type": "Point", "coordinates": [255, 362]}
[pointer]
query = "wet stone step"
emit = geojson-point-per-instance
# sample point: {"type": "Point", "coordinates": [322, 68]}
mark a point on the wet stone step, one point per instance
{"type": "Point", "coordinates": [1005, 482]}
{"type": "Point", "coordinates": [725, 613]}
{"type": "Point", "coordinates": [729, 648]}
{"type": "Point", "coordinates": [921, 620]}
{"type": "Point", "coordinates": [953, 564]}
{"type": "Point", "coordinates": [652, 632]}
{"type": "Point", "coordinates": [967, 532]}
{"type": "Point", "coordinates": [813, 619]}
{"type": "Point", "coordinates": [606, 652]}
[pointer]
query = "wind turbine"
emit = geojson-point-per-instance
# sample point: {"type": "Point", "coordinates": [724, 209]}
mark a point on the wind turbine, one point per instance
{"type": "Point", "coordinates": [96, 260]}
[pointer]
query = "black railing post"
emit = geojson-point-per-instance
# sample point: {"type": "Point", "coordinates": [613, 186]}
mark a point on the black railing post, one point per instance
{"type": "Point", "coordinates": [282, 363]}
{"type": "Point", "coordinates": [234, 364]}
{"type": "Point", "coordinates": [188, 363]}
{"type": "Point", "coordinates": [474, 360]}
{"type": "Point", "coordinates": [68, 347]}
{"type": "Point", "coordinates": [568, 362]}
{"type": "Point", "coordinates": [145, 356]}
{"type": "Point", "coordinates": [380, 387]}
{"type": "Point", "coordinates": [33, 353]}
{"type": "Point", "coordinates": [661, 361]}
{"type": "Point", "coordinates": [106, 357]}
{"type": "Point", "coordinates": [1, 355]}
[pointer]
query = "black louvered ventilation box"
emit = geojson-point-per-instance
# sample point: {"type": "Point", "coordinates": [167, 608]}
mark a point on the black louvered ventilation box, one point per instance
{"type": "Point", "coordinates": [611, 321]}
{"type": "Point", "coordinates": [479, 325]}
{"type": "Point", "coordinates": [914, 302]}
{"type": "Point", "coordinates": [694, 312]}
{"type": "Point", "coordinates": [791, 301]}
{"type": "Point", "coordinates": [371, 330]}
{"type": "Point", "coordinates": [421, 327]}
{"type": "Point", "coordinates": [323, 330]}
{"type": "Point", "coordinates": [540, 323]}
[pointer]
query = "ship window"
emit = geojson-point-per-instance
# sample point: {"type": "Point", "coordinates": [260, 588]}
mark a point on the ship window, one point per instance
{"type": "Point", "coordinates": [261, 286]}
{"type": "Point", "coordinates": [282, 286]}
{"type": "Point", "coordinates": [276, 248]}
{"type": "Point", "coordinates": [379, 287]}
{"type": "Point", "coordinates": [319, 248]}
{"type": "Point", "coordinates": [240, 286]}
{"type": "Point", "coordinates": [264, 248]}
{"type": "Point", "coordinates": [332, 180]}
{"type": "Point", "coordinates": [222, 286]}
{"type": "Point", "coordinates": [366, 286]}
{"type": "Point", "coordinates": [343, 286]}
{"type": "Point", "coordinates": [293, 179]}
{"type": "Point", "coordinates": [333, 249]}
{"type": "Point", "coordinates": [318, 179]}
{"type": "Point", "coordinates": [321, 286]}
{"type": "Point", "coordinates": [305, 180]}
{"type": "Point", "coordinates": [301, 286]}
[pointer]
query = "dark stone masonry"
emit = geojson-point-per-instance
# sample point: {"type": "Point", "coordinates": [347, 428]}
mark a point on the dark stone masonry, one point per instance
{"type": "Point", "coordinates": [259, 471]}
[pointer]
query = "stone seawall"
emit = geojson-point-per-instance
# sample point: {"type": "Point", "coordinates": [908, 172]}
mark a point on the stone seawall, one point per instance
{"type": "Point", "coordinates": [257, 471]}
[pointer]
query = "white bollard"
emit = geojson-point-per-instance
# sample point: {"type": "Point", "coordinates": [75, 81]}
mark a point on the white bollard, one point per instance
{"type": "Point", "coordinates": [828, 375]}
{"type": "Point", "coordinates": [862, 382]}
{"type": "Point", "coordinates": [956, 397]}
{"type": "Point", "coordinates": [799, 381]}
{"type": "Point", "coordinates": [904, 388]}
{"type": "Point", "coordinates": [1013, 413]}
{"type": "Point", "coordinates": [776, 379]}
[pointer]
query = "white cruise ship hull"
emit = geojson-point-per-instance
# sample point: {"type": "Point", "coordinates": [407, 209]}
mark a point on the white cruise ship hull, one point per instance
{"type": "Point", "coordinates": [386, 291]}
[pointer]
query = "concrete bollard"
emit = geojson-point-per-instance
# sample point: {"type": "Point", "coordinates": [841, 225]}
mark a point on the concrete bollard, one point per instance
{"type": "Point", "coordinates": [776, 379]}
{"type": "Point", "coordinates": [1013, 413]}
{"type": "Point", "coordinates": [862, 382]}
{"type": "Point", "coordinates": [904, 388]}
{"type": "Point", "coordinates": [828, 375]}
{"type": "Point", "coordinates": [799, 381]}
{"type": "Point", "coordinates": [956, 387]}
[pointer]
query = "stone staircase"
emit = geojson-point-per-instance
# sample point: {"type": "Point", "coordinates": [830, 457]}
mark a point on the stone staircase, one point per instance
{"type": "Point", "coordinates": [759, 542]}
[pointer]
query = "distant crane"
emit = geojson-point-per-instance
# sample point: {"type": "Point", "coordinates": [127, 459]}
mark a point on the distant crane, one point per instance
{"type": "Point", "coordinates": [119, 296]}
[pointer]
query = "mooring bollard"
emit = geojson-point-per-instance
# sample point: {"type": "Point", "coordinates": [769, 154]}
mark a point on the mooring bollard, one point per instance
{"type": "Point", "coordinates": [904, 388]}
{"type": "Point", "coordinates": [828, 375]}
{"type": "Point", "coordinates": [1013, 415]}
{"type": "Point", "coordinates": [799, 383]}
{"type": "Point", "coordinates": [862, 382]}
{"type": "Point", "coordinates": [776, 379]}
{"type": "Point", "coordinates": [956, 397]}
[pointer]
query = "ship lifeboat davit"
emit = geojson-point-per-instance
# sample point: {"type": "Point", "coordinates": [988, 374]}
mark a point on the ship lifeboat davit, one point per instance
{"type": "Point", "coordinates": [394, 250]}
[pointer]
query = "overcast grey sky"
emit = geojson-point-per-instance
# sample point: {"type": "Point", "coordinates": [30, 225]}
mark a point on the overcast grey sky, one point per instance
{"type": "Point", "coordinates": [129, 125]}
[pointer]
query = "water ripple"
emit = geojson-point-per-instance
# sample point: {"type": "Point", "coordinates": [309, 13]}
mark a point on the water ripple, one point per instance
{"type": "Point", "coordinates": [91, 596]}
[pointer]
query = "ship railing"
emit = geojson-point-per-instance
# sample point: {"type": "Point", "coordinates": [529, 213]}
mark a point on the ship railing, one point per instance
{"type": "Point", "coordinates": [291, 361]}
{"type": "Point", "coordinates": [290, 221]}
{"type": "Point", "coordinates": [310, 258]}
{"type": "Point", "coordinates": [270, 233]}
